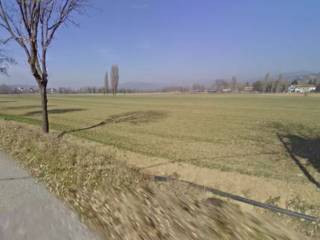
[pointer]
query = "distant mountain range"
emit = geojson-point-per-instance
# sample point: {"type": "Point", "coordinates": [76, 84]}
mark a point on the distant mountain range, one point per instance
{"type": "Point", "coordinates": [144, 86]}
{"type": "Point", "coordinates": [299, 75]}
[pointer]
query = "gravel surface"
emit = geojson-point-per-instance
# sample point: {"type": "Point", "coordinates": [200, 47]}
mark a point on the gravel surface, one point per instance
{"type": "Point", "coordinates": [29, 211]}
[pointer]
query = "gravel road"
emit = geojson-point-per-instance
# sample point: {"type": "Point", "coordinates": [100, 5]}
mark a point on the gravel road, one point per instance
{"type": "Point", "coordinates": [29, 211]}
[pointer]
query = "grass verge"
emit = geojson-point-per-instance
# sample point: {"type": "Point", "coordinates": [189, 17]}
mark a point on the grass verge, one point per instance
{"type": "Point", "coordinates": [120, 201]}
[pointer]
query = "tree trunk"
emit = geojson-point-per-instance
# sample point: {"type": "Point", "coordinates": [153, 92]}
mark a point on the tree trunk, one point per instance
{"type": "Point", "coordinates": [44, 105]}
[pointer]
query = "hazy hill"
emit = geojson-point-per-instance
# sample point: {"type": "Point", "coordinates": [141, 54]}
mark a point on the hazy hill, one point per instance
{"type": "Point", "coordinates": [144, 86]}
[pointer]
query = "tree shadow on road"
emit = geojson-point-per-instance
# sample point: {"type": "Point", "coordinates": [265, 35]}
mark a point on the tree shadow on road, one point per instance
{"type": "Point", "coordinates": [14, 178]}
{"type": "Point", "coordinates": [137, 117]}
{"type": "Point", "coordinates": [303, 150]}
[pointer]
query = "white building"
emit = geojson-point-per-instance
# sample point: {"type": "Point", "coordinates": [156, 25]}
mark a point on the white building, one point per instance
{"type": "Point", "coordinates": [302, 88]}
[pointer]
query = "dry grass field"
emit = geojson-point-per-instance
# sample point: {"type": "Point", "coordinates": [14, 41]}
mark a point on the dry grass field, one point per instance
{"type": "Point", "coordinates": [121, 202]}
{"type": "Point", "coordinates": [241, 133]}
{"type": "Point", "coordinates": [266, 147]}
{"type": "Point", "coordinates": [255, 135]}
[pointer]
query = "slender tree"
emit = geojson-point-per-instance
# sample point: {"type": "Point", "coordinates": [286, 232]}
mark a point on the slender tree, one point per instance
{"type": "Point", "coordinates": [33, 25]}
{"type": "Point", "coordinates": [266, 83]}
{"type": "Point", "coordinates": [267, 77]}
{"type": "Point", "coordinates": [279, 84]}
{"type": "Point", "coordinates": [234, 83]}
{"type": "Point", "coordinates": [106, 83]}
{"type": "Point", "coordinates": [114, 79]}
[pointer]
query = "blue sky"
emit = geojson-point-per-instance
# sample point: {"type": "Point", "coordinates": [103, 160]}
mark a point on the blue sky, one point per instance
{"type": "Point", "coordinates": [182, 41]}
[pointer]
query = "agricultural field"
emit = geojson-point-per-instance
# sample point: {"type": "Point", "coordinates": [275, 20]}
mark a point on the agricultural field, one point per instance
{"type": "Point", "coordinates": [265, 147]}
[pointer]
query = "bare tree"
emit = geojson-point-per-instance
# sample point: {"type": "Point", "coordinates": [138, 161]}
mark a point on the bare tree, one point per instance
{"type": "Point", "coordinates": [106, 83]}
{"type": "Point", "coordinates": [267, 77]}
{"type": "Point", "coordinates": [266, 83]}
{"type": "Point", "coordinates": [33, 25]}
{"type": "Point", "coordinates": [114, 79]}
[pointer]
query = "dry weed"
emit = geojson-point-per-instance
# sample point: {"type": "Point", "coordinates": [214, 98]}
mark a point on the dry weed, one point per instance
{"type": "Point", "coordinates": [120, 201]}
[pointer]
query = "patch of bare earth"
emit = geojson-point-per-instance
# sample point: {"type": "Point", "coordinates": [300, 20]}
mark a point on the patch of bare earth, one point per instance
{"type": "Point", "coordinates": [120, 201]}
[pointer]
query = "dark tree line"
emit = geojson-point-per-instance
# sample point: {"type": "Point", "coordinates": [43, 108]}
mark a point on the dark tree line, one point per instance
{"type": "Point", "coordinates": [270, 85]}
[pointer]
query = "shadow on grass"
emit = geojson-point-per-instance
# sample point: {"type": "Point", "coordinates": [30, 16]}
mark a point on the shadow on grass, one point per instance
{"type": "Point", "coordinates": [138, 117]}
{"type": "Point", "coordinates": [298, 145]}
{"type": "Point", "coordinates": [54, 111]}
{"type": "Point", "coordinates": [7, 101]}
{"type": "Point", "coordinates": [17, 118]}
{"type": "Point", "coordinates": [21, 107]}
{"type": "Point", "coordinates": [161, 164]}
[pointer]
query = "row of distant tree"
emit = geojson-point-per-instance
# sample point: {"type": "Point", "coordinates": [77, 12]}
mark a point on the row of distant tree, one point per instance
{"type": "Point", "coordinates": [280, 84]}
{"type": "Point", "coordinates": [270, 85]}
{"type": "Point", "coordinates": [7, 89]}
{"type": "Point", "coordinates": [111, 82]}
{"type": "Point", "coordinates": [267, 85]}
